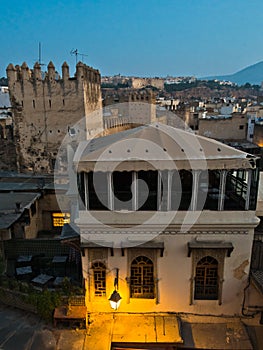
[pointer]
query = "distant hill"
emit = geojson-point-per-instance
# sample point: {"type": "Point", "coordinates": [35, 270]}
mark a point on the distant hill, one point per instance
{"type": "Point", "coordinates": [252, 74]}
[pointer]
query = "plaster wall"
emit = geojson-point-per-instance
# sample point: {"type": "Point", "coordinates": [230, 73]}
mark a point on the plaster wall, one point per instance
{"type": "Point", "coordinates": [32, 229]}
{"type": "Point", "coordinates": [138, 83]}
{"type": "Point", "coordinates": [49, 204]}
{"type": "Point", "coordinates": [174, 270]}
{"type": "Point", "coordinates": [231, 128]}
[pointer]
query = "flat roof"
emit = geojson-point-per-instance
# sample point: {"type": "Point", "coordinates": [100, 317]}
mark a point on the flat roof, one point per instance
{"type": "Point", "coordinates": [13, 183]}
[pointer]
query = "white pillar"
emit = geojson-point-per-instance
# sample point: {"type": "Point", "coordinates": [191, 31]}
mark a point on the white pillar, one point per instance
{"type": "Point", "coordinates": [249, 178]}
{"type": "Point", "coordinates": [159, 190]}
{"type": "Point", "coordinates": [110, 192]}
{"type": "Point", "coordinates": [134, 190]}
{"type": "Point", "coordinates": [86, 189]}
{"type": "Point", "coordinates": [169, 190]}
{"type": "Point", "coordinates": [222, 189]}
{"type": "Point", "coordinates": [195, 188]}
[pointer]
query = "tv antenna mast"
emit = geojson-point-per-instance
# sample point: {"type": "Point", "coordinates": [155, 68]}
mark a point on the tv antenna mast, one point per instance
{"type": "Point", "coordinates": [76, 53]}
{"type": "Point", "coordinates": [39, 55]}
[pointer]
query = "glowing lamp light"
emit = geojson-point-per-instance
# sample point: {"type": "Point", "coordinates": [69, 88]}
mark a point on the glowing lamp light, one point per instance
{"type": "Point", "coordinates": [115, 298]}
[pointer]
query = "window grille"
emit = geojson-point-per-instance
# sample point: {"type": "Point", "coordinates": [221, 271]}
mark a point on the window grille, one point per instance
{"type": "Point", "coordinates": [60, 219]}
{"type": "Point", "coordinates": [206, 279]}
{"type": "Point", "coordinates": [99, 273]}
{"type": "Point", "coordinates": [142, 278]}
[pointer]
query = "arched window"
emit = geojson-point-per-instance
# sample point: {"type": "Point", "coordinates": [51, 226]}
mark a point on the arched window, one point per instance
{"type": "Point", "coordinates": [206, 279]}
{"type": "Point", "coordinates": [99, 274]}
{"type": "Point", "coordinates": [142, 278]}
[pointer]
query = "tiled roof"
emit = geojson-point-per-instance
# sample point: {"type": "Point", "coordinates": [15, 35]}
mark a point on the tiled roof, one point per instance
{"type": "Point", "coordinates": [9, 213]}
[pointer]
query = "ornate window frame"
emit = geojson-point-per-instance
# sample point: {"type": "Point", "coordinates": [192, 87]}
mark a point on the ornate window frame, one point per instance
{"type": "Point", "coordinates": [151, 254]}
{"type": "Point", "coordinates": [142, 278]}
{"type": "Point", "coordinates": [96, 256]}
{"type": "Point", "coordinates": [217, 250]}
{"type": "Point", "coordinates": [206, 279]}
{"type": "Point", "coordinates": [99, 278]}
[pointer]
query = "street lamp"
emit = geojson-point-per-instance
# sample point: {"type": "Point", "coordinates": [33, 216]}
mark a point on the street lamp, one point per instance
{"type": "Point", "coordinates": [115, 298]}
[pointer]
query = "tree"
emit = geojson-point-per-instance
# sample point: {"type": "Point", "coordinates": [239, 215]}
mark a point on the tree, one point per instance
{"type": "Point", "coordinates": [3, 81]}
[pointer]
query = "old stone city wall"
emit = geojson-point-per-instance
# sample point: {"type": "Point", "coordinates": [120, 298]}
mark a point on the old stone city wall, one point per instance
{"type": "Point", "coordinates": [46, 107]}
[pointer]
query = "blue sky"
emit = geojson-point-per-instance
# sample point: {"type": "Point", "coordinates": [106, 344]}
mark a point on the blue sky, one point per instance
{"type": "Point", "coordinates": [135, 37]}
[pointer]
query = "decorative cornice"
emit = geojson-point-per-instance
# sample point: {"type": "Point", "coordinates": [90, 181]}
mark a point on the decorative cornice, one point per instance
{"type": "Point", "coordinates": [166, 232]}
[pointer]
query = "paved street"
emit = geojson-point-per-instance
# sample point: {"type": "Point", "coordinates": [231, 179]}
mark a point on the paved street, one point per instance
{"type": "Point", "coordinates": [23, 331]}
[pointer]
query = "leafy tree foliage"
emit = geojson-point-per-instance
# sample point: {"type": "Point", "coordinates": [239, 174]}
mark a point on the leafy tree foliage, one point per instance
{"type": "Point", "coordinates": [3, 81]}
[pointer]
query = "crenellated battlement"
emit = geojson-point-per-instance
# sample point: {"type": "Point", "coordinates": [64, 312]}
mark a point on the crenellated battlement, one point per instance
{"type": "Point", "coordinates": [24, 73]}
{"type": "Point", "coordinates": [47, 105]}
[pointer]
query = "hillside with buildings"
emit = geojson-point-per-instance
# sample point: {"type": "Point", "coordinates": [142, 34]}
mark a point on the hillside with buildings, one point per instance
{"type": "Point", "coordinates": [252, 74]}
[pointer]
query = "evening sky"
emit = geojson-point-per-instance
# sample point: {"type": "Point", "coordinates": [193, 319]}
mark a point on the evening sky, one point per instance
{"type": "Point", "coordinates": [134, 37]}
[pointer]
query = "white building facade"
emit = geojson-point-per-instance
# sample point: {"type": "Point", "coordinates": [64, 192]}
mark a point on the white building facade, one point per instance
{"type": "Point", "coordinates": [167, 219]}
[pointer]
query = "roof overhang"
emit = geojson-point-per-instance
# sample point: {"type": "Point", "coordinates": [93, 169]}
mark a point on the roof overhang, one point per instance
{"type": "Point", "coordinates": [158, 147]}
{"type": "Point", "coordinates": [86, 244]}
{"type": "Point", "coordinates": [228, 246]}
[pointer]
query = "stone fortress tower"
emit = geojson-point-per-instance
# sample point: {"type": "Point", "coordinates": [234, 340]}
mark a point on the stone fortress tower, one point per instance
{"type": "Point", "coordinates": [46, 107]}
{"type": "Point", "coordinates": [130, 107]}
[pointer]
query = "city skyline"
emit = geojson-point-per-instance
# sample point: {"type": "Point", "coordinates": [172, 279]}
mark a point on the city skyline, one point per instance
{"type": "Point", "coordinates": [134, 38]}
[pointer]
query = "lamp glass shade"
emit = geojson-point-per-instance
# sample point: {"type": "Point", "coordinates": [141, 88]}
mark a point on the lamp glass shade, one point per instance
{"type": "Point", "coordinates": [115, 300]}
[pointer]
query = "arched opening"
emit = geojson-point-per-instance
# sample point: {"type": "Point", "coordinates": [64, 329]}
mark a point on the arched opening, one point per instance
{"type": "Point", "coordinates": [142, 278]}
{"type": "Point", "coordinates": [206, 279]}
{"type": "Point", "coordinates": [99, 275]}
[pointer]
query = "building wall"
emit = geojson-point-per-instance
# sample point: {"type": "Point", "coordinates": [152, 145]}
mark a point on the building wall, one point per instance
{"type": "Point", "coordinates": [138, 83]}
{"type": "Point", "coordinates": [5, 234]}
{"type": "Point", "coordinates": [129, 107]}
{"type": "Point", "coordinates": [192, 119]}
{"type": "Point", "coordinates": [258, 135]}
{"type": "Point", "coordinates": [27, 226]}
{"type": "Point", "coordinates": [8, 158]}
{"type": "Point", "coordinates": [230, 128]}
{"type": "Point", "coordinates": [259, 210]}
{"type": "Point", "coordinates": [174, 271]}
{"type": "Point", "coordinates": [46, 108]}
{"type": "Point", "coordinates": [32, 229]}
{"type": "Point", "coordinates": [49, 204]}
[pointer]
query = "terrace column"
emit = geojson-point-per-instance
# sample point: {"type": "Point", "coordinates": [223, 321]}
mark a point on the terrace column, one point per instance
{"type": "Point", "coordinates": [249, 178]}
{"type": "Point", "coordinates": [110, 192]}
{"type": "Point", "coordinates": [73, 189]}
{"type": "Point", "coordinates": [134, 190]}
{"type": "Point", "coordinates": [86, 191]}
{"type": "Point", "coordinates": [159, 190]}
{"type": "Point", "coordinates": [195, 189]}
{"type": "Point", "coordinates": [169, 190]}
{"type": "Point", "coordinates": [222, 189]}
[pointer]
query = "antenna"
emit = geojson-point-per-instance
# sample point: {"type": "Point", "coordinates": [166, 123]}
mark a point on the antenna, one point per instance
{"type": "Point", "coordinates": [39, 55]}
{"type": "Point", "coordinates": [76, 53]}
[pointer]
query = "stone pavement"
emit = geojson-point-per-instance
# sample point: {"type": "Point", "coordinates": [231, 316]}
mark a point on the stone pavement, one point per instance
{"type": "Point", "coordinates": [21, 330]}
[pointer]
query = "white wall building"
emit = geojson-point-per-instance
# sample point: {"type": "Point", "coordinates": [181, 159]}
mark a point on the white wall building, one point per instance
{"type": "Point", "coordinates": [181, 246]}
